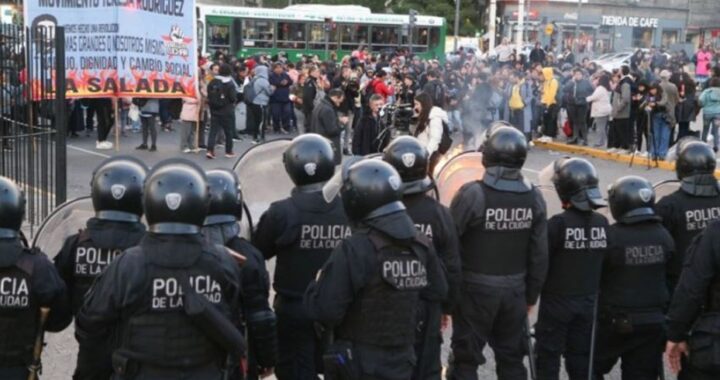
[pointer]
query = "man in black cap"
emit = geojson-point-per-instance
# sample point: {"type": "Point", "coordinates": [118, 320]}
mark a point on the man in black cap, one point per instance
{"type": "Point", "coordinates": [503, 246]}
{"type": "Point", "coordinates": [410, 159]}
{"type": "Point", "coordinates": [369, 290]}
{"type": "Point", "coordinates": [30, 284]}
{"type": "Point", "coordinates": [174, 298]}
{"type": "Point", "coordinates": [577, 241]}
{"type": "Point", "coordinates": [116, 191]}
{"type": "Point", "coordinates": [221, 227]}
{"type": "Point", "coordinates": [633, 289]}
{"type": "Point", "coordinates": [696, 204]}
{"type": "Point", "coordinates": [300, 232]}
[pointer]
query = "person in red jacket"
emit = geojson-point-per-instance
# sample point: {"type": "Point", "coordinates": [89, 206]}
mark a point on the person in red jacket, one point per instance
{"type": "Point", "coordinates": [379, 86]}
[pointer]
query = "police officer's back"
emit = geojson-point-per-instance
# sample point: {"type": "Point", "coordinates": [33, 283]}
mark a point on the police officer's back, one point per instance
{"type": "Point", "coordinates": [633, 291]}
{"type": "Point", "coordinates": [369, 289]}
{"type": "Point", "coordinates": [174, 297]}
{"type": "Point", "coordinates": [410, 159]}
{"type": "Point", "coordinates": [577, 241]}
{"type": "Point", "coordinates": [503, 243]}
{"type": "Point", "coordinates": [300, 232]}
{"type": "Point", "coordinates": [690, 209]}
{"type": "Point", "coordinates": [221, 227]}
{"type": "Point", "coordinates": [116, 191]}
{"type": "Point", "coordinates": [694, 313]}
{"type": "Point", "coordinates": [28, 282]}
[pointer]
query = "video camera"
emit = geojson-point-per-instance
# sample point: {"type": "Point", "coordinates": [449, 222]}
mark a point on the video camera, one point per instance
{"type": "Point", "coordinates": [397, 117]}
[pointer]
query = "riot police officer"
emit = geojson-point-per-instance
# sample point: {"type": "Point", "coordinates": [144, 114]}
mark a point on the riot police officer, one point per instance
{"type": "Point", "coordinates": [221, 227]}
{"type": "Point", "coordinates": [371, 286]}
{"type": "Point", "coordinates": [301, 231]}
{"type": "Point", "coordinates": [690, 209]}
{"type": "Point", "coordinates": [29, 283]}
{"type": "Point", "coordinates": [502, 227]}
{"type": "Point", "coordinates": [577, 242]}
{"type": "Point", "coordinates": [410, 159]}
{"type": "Point", "coordinates": [694, 314]}
{"type": "Point", "coordinates": [633, 289]}
{"type": "Point", "coordinates": [173, 297]}
{"type": "Point", "coordinates": [116, 192]}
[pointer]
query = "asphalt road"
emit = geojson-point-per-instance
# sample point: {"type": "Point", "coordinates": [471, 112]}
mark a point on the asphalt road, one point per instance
{"type": "Point", "coordinates": [59, 356]}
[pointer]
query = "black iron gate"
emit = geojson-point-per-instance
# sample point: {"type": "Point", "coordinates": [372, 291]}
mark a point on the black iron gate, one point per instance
{"type": "Point", "coordinates": [33, 122]}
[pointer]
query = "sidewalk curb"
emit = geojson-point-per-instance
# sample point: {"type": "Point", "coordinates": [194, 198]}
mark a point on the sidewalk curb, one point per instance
{"type": "Point", "coordinates": [605, 155]}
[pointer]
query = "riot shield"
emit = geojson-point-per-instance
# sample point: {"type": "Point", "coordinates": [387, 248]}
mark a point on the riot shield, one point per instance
{"type": "Point", "coordinates": [665, 188]}
{"type": "Point", "coordinates": [457, 171]}
{"type": "Point", "coordinates": [66, 220]}
{"type": "Point", "coordinates": [263, 178]}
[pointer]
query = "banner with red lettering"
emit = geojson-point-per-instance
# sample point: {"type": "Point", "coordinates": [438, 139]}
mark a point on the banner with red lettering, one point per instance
{"type": "Point", "coordinates": [134, 48]}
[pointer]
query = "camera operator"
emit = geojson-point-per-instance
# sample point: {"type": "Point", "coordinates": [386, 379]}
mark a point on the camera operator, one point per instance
{"type": "Point", "coordinates": [365, 137]}
{"type": "Point", "coordinates": [406, 89]}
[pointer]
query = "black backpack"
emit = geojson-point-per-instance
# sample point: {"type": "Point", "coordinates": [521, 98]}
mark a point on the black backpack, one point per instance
{"type": "Point", "coordinates": [217, 95]}
{"type": "Point", "coordinates": [438, 95]}
{"type": "Point", "coordinates": [446, 140]}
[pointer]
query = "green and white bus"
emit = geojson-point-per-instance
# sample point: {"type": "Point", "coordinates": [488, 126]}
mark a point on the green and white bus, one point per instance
{"type": "Point", "coordinates": [299, 30]}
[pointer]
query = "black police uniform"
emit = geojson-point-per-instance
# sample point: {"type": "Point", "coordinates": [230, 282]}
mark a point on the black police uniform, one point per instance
{"type": "Point", "coordinates": [577, 242]}
{"type": "Point", "coordinates": [435, 222]}
{"type": "Point", "coordinates": [686, 213]}
{"type": "Point", "coordinates": [258, 316]}
{"type": "Point", "coordinates": [141, 292]}
{"type": "Point", "coordinates": [28, 281]}
{"type": "Point", "coordinates": [300, 231]}
{"type": "Point", "coordinates": [369, 290]}
{"type": "Point", "coordinates": [633, 297]}
{"type": "Point", "coordinates": [503, 235]}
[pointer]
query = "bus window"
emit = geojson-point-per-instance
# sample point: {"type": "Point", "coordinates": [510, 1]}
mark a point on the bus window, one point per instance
{"type": "Point", "coordinates": [384, 37]}
{"type": "Point", "coordinates": [352, 36]}
{"type": "Point", "coordinates": [258, 33]}
{"type": "Point", "coordinates": [317, 37]}
{"type": "Point", "coordinates": [218, 36]}
{"type": "Point", "coordinates": [434, 37]}
{"type": "Point", "coordinates": [291, 35]}
{"type": "Point", "coordinates": [420, 40]}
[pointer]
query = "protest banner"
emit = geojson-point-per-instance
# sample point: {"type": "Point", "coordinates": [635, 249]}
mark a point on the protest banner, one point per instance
{"type": "Point", "coordinates": [117, 48]}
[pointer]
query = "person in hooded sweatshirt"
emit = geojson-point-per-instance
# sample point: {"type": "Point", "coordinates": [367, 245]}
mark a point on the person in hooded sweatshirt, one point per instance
{"type": "Point", "coordinates": [710, 103]}
{"type": "Point", "coordinates": [222, 96]}
{"type": "Point", "coordinates": [429, 128]}
{"type": "Point", "coordinates": [258, 107]}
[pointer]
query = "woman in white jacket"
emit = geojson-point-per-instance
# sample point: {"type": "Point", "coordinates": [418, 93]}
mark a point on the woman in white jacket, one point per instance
{"type": "Point", "coordinates": [601, 108]}
{"type": "Point", "coordinates": [429, 129]}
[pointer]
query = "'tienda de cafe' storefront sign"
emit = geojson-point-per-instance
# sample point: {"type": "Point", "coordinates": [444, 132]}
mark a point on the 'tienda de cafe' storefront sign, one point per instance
{"type": "Point", "coordinates": [636, 22]}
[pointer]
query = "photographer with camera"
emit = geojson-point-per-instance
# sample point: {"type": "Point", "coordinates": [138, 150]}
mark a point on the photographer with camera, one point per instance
{"type": "Point", "coordinates": [432, 121]}
{"type": "Point", "coordinates": [406, 89]}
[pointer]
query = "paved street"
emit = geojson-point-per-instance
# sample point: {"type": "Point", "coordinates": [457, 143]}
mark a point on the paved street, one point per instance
{"type": "Point", "coordinates": [59, 358]}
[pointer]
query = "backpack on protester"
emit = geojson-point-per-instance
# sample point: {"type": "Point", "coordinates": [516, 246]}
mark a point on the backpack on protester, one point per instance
{"type": "Point", "coordinates": [438, 95]}
{"type": "Point", "coordinates": [446, 140]}
{"type": "Point", "coordinates": [249, 92]}
{"type": "Point", "coordinates": [217, 95]}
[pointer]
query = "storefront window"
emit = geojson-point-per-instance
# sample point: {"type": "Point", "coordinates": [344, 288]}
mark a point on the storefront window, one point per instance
{"type": "Point", "coordinates": [352, 36]}
{"type": "Point", "coordinates": [669, 37]}
{"type": "Point", "coordinates": [642, 37]}
{"type": "Point", "coordinates": [291, 35]}
{"type": "Point", "coordinates": [258, 33]}
{"type": "Point", "coordinates": [218, 35]}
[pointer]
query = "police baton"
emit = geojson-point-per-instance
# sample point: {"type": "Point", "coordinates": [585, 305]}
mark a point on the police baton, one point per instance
{"type": "Point", "coordinates": [593, 332]}
{"type": "Point", "coordinates": [531, 349]}
{"type": "Point", "coordinates": [36, 365]}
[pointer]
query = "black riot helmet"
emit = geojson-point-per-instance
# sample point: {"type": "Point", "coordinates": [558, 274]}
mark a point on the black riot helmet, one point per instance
{"type": "Point", "coordinates": [176, 197]}
{"type": "Point", "coordinates": [225, 197]}
{"type": "Point", "coordinates": [631, 197]}
{"type": "Point", "coordinates": [505, 147]}
{"type": "Point", "coordinates": [695, 157]}
{"type": "Point", "coordinates": [410, 159]}
{"type": "Point", "coordinates": [576, 182]}
{"type": "Point", "coordinates": [12, 208]}
{"type": "Point", "coordinates": [116, 189]}
{"type": "Point", "coordinates": [371, 188]}
{"type": "Point", "coordinates": [309, 160]}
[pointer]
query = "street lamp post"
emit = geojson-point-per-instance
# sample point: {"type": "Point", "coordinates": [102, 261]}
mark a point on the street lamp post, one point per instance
{"type": "Point", "coordinates": [521, 28]}
{"type": "Point", "coordinates": [457, 23]}
{"type": "Point", "coordinates": [577, 27]}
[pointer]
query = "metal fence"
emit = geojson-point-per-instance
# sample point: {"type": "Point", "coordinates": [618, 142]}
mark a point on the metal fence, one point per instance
{"type": "Point", "coordinates": [33, 121]}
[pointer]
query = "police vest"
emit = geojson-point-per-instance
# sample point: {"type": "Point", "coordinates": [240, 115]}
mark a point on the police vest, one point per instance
{"type": "Point", "coordinates": [497, 243]}
{"type": "Point", "coordinates": [306, 245]}
{"type": "Point", "coordinates": [692, 215]}
{"type": "Point", "coordinates": [634, 274]}
{"type": "Point", "coordinates": [89, 261]}
{"type": "Point", "coordinates": [423, 211]}
{"type": "Point", "coordinates": [384, 313]}
{"type": "Point", "coordinates": [576, 265]}
{"type": "Point", "coordinates": [159, 332]}
{"type": "Point", "coordinates": [18, 311]}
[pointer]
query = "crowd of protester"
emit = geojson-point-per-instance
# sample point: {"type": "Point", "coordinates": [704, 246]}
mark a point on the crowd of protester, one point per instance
{"type": "Point", "coordinates": [642, 107]}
